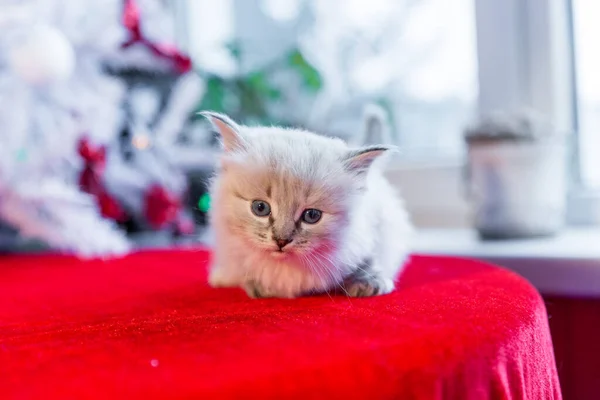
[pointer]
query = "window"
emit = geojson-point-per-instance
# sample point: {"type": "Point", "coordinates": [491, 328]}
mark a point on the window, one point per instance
{"type": "Point", "coordinates": [416, 58]}
{"type": "Point", "coordinates": [586, 31]}
{"type": "Point", "coordinates": [433, 64]}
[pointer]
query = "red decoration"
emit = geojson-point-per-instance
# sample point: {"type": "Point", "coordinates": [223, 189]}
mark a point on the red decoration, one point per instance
{"type": "Point", "coordinates": [148, 326]}
{"type": "Point", "coordinates": [110, 207]}
{"type": "Point", "coordinates": [131, 21]}
{"type": "Point", "coordinates": [91, 180]}
{"type": "Point", "coordinates": [161, 207]}
{"type": "Point", "coordinates": [94, 157]}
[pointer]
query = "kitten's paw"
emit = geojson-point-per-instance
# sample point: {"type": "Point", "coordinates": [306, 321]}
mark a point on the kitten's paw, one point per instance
{"type": "Point", "coordinates": [217, 278]}
{"type": "Point", "coordinates": [369, 287]}
{"type": "Point", "coordinates": [255, 290]}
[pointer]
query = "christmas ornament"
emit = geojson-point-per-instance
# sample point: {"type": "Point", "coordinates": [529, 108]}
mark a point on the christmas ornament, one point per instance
{"type": "Point", "coordinates": [161, 207]}
{"type": "Point", "coordinates": [91, 180]}
{"type": "Point", "coordinates": [204, 203]}
{"type": "Point", "coordinates": [95, 162]}
{"type": "Point", "coordinates": [131, 21]}
{"type": "Point", "coordinates": [44, 56]}
{"type": "Point", "coordinates": [67, 71]}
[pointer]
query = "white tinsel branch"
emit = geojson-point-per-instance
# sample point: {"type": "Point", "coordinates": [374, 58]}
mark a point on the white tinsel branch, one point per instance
{"type": "Point", "coordinates": [184, 97]}
{"type": "Point", "coordinates": [62, 217]}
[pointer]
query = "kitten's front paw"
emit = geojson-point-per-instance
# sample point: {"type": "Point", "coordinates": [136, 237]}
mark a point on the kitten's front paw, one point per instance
{"type": "Point", "coordinates": [217, 278]}
{"type": "Point", "coordinates": [368, 287]}
{"type": "Point", "coordinates": [255, 290]}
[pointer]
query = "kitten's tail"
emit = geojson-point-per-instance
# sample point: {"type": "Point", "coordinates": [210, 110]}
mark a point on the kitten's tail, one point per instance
{"type": "Point", "coordinates": [376, 127]}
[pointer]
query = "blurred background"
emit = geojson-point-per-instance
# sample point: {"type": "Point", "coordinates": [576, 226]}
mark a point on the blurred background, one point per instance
{"type": "Point", "coordinates": [495, 106]}
{"type": "Point", "coordinates": [101, 147]}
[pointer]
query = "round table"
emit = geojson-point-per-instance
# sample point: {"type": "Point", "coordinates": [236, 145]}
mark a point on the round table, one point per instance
{"type": "Point", "coordinates": [148, 326]}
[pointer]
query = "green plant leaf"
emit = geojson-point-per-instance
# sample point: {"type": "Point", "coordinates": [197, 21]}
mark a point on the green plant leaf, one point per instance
{"type": "Point", "coordinates": [309, 74]}
{"type": "Point", "coordinates": [204, 203]}
{"type": "Point", "coordinates": [214, 97]}
{"type": "Point", "coordinates": [260, 82]}
{"type": "Point", "coordinates": [251, 102]}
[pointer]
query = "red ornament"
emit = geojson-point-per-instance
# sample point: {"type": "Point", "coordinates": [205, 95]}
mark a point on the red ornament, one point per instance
{"type": "Point", "coordinates": [161, 207]}
{"type": "Point", "coordinates": [94, 157]}
{"type": "Point", "coordinates": [131, 20]}
{"type": "Point", "coordinates": [110, 207]}
{"type": "Point", "coordinates": [91, 180]}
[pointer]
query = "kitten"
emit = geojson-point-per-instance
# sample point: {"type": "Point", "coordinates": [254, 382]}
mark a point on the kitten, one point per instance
{"type": "Point", "coordinates": [296, 213]}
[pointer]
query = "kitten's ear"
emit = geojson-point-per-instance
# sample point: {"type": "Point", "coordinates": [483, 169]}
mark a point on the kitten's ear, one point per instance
{"type": "Point", "coordinates": [360, 160]}
{"type": "Point", "coordinates": [229, 130]}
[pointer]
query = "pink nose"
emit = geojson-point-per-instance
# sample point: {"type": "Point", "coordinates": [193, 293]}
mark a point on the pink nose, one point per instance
{"type": "Point", "coordinates": [281, 243]}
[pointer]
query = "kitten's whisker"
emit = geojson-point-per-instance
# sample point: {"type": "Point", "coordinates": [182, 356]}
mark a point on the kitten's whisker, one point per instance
{"type": "Point", "coordinates": [335, 281]}
{"type": "Point", "coordinates": [313, 264]}
{"type": "Point", "coordinates": [323, 280]}
{"type": "Point", "coordinates": [332, 264]}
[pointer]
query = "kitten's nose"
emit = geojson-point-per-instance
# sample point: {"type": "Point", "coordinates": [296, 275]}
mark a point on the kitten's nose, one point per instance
{"type": "Point", "coordinates": [281, 243]}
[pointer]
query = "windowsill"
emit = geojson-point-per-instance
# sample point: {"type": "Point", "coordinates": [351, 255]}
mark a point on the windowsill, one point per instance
{"type": "Point", "coordinates": [568, 264]}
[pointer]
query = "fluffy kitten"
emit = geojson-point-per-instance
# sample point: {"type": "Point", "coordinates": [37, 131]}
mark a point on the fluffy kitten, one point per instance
{"type": "Point", "coordinates": [296, 213]}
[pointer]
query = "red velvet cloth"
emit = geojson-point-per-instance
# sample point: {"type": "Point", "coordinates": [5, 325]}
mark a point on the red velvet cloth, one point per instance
{"type": "Point", "coordinates": [148, 326]}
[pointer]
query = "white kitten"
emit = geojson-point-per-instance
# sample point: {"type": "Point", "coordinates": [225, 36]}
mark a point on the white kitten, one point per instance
{"type": "Point", "coordinates": [296, 213]}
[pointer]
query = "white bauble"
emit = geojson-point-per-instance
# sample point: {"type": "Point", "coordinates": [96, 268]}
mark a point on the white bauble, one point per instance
{"type": "Point", "coordinates": [44, 56]}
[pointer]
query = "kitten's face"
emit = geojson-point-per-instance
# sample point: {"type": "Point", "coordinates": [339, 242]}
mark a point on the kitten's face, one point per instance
{"type": "Point", "coordinates": [284, 211]}
{"type": "Point", "coordinates": [288, 193]}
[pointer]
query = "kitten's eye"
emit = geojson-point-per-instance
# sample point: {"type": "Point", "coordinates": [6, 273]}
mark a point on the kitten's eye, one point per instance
{"type": "Point", "coordinates": [261, 208]}
{"type": "Point", "coordinates": [311, 216]}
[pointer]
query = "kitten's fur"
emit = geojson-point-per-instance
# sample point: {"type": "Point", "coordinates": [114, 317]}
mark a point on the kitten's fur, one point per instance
{"type": "Point", "coordinates": [360, 243]}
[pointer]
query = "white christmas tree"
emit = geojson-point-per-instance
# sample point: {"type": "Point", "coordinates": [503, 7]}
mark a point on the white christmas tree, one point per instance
{"type": "Point", "coordinates": [54, 90]}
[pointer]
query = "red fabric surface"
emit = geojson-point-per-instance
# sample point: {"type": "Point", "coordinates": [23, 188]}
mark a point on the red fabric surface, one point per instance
{"type": "Point", "coordinates": [148, 326]}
